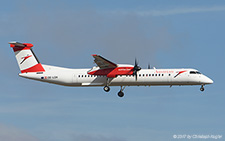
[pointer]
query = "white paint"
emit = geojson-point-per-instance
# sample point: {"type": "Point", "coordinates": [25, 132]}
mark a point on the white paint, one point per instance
{"type": "Point", "coordinates": [79, 77]}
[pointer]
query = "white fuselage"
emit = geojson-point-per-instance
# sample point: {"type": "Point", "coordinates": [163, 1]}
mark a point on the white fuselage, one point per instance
{"type": "Point", "coordinates": [146, 77]}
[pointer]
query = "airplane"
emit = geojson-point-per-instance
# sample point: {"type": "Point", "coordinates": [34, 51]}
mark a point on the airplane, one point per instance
{"type": "Point", "coordinates": [105, 74]}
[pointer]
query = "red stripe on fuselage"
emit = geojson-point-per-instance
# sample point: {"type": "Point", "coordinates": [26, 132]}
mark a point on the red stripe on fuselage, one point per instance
{"type": "Point", "coordinates": [180, 72]}
{"type": "Point", "coordinates": [35, 68]}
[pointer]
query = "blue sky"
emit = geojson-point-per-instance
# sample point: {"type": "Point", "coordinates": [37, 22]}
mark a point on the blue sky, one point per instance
{"type": "Point", "coordinates": [166, 34]}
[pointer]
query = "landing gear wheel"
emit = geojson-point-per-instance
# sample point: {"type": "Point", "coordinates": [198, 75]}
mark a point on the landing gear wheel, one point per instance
{"type": "Point", "coordinates": [106, 89]}
{"type": "Point", "coordinates": [202, 88]}
{"type": "Point", "coordinates": [120, 94]}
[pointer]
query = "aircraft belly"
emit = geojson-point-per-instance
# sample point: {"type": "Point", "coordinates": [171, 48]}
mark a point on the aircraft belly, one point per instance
{"type": "Point", "coordinates": [92, 84]}
{"type": "Point", "coordinates": [139, 82]}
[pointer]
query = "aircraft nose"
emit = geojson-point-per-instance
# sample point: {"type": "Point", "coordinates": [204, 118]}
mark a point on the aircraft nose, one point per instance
{"type": "Point", "coordinates": [207, 80]}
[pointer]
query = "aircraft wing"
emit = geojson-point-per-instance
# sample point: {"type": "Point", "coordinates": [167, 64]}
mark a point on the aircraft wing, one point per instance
{"type": "Point", "coordinates": [103, 63]}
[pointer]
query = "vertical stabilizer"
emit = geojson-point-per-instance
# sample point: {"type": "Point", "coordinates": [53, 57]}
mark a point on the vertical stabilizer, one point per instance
{"type": "Point", "coordinates": [26, 58]}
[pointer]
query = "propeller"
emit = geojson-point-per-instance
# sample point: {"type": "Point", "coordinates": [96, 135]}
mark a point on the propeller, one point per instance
{"type": "Point", "coordinates": [136, 69]}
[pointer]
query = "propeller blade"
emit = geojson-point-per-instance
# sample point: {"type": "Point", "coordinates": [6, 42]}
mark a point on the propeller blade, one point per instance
{"type": "Point", "coordinates": [135, 74]}
{"type": "Point", "coordinates": [136, 69]}
{"type": "Point", "coordinates": [135, 63]}
{"type": "Point", "coordinates": [136, 77]}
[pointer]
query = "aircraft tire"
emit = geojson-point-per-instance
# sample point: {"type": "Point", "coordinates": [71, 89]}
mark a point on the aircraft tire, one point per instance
{"type": "Point", "coordinates": [106, 88]}
{"type": "Point", "coordinates": [202, 89]}
{"type": "Point", "coordinates": [120, 94]}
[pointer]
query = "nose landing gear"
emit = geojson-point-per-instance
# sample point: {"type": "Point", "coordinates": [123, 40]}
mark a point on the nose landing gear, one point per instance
{"type": "Point", "coordinates": [202, 88]}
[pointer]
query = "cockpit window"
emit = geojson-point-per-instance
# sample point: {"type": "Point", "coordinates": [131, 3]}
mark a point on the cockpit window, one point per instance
{"type": "Point", "coordinates": [192, 72]}
{"type": "Point", "coordinates": [198, 72]}
{"type": "Point", "coordinates": [195, 72]}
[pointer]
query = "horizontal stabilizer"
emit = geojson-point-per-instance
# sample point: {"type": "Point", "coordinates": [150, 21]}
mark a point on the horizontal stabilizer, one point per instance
{"type": "Point", "coordinates": [18, 44]}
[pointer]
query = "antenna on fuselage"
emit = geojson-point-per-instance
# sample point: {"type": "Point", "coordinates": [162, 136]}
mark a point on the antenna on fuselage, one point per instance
{"type": "Point", "coordinates": [149, 67]}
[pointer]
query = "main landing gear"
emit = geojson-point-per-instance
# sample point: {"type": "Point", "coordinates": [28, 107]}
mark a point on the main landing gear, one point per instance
{"type": "Point", "coordinates": [120, 93]}
{"type": "Point", "coordinates": [106, 88]}
{"type": "Point", "coordinates": [202, 88]}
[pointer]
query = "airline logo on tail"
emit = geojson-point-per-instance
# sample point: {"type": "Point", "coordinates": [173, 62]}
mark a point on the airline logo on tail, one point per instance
{"type": "Point", "coordinates": [25, 58]}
